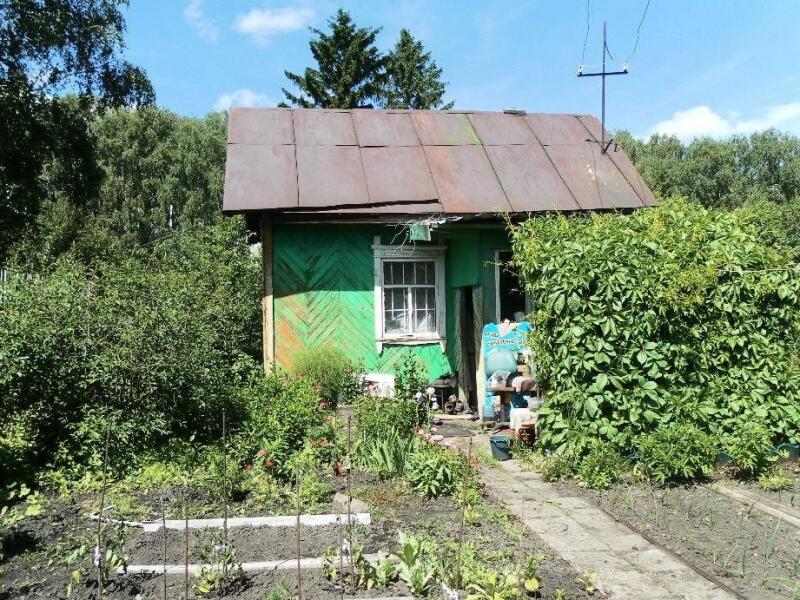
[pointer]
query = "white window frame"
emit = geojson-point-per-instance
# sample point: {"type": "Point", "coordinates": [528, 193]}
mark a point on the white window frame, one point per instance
{"type": "Point", "coordinates": [410, 254]}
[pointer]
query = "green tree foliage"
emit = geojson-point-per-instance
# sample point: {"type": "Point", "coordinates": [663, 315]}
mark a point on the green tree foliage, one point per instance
{"type": "Point", "coordinates": [677, 314]}
{"type": "Point", "coordinates": [764, 166]}
{"type": "Point", "coordinates": [151, 159]}
{"type": "Point", "coordinates": [414, 78]}
{"type": "Point", "coordinates": [115, 189]}
{"type": "Point", "coordinates": [350, 73]}
{"type": "Point", "coordinates": [160, 338]}
{"type": "Point", "coordinates": [47, 48]}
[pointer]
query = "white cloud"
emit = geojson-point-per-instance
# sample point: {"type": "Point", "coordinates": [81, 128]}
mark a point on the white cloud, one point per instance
{"type": "Point", "coordinates": [261, 24]}
{"type": "Point", "coordinates": [242, 97]}
{"type": "Point", "coordinates": [194, 16]}
{"type": "Point", "coordinates": [702, 121]}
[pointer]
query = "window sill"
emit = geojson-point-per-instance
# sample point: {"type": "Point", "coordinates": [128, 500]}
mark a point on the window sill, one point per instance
{"type": "Point", "coordinates": [410, 341]}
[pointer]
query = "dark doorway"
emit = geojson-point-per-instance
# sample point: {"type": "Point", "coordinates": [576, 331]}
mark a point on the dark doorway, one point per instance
{"type": "Point", "coordinates": [510, 295]}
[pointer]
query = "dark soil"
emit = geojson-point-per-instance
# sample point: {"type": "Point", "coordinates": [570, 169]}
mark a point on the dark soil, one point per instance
{"type": "Point", "coordinates": [37, 548]}
{"type": "Point", "coordinates": [251, 543]}
{"type": "Point", "coordinates": [753, 553]}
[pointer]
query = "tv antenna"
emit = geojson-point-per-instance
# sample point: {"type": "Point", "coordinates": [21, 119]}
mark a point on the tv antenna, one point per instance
{"type": "Point", "coordinates": [603, 74]}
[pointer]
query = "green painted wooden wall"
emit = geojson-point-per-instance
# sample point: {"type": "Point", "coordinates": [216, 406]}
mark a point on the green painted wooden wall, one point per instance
{"type": "Point", "coordinates": [323, 286]}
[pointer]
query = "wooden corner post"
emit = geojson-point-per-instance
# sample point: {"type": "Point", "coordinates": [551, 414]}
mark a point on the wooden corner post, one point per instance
{"type": "Point", "coordinates": [268, 323]}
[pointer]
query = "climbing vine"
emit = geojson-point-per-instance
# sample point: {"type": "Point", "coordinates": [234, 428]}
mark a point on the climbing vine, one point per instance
{"type": "Point", "coordinates": [671, 314]}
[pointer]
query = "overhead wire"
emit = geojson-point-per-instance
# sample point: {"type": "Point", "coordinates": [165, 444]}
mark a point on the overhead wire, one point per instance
{"type": "Point", "coordinates": [638, 31]}
{"type": "Point", "coordinates": [586, 38]}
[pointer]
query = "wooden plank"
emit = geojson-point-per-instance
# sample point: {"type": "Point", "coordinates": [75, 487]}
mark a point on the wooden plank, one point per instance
{"type": "Point", "coordinates": [267, 307]}
{"type": "Point", "coordinates": [785, 514]}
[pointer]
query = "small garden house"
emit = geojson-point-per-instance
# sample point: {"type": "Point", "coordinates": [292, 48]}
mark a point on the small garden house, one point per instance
{"type": "Point", "coordinates": [383, 232]}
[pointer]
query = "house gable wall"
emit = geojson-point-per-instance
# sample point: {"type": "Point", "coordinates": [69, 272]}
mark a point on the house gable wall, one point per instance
{"type": "Point", "coordinates": [323, 286]}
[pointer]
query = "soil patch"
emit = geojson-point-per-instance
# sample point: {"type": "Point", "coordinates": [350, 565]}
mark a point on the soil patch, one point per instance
{"type": "Point", "coordinates": [754, 553]}
{"type": "Point", "coordinates": [251, 543]}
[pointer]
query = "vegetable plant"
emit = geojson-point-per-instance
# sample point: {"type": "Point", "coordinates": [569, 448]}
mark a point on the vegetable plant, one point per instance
{"type": "Point", "coordinates": [677, 452]}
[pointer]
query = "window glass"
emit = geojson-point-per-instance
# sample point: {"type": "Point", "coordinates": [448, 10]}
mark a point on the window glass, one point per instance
{"type": "Point", "coordinates": [409, 297]}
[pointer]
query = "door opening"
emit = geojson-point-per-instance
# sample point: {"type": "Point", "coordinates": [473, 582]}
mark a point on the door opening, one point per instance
{"type": "Point", "coordinates": [511, 301]}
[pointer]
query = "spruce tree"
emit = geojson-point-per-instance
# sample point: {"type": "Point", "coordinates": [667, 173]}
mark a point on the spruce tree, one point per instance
{"type": "Point", "coordinates": [350, 73]}
{"type": "Point", "coordinates": [414, 78]}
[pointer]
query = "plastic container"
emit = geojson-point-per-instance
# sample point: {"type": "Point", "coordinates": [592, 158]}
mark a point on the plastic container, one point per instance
{"type": "Point", "coordinates": [501, 447]}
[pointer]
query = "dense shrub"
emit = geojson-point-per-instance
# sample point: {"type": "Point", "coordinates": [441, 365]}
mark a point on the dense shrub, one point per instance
{"type": "Point", "coordinates": [328, 367]}
{"type": "Point", "coordinates": [750, 448]}
{"type": "Point", "coordinates": [284, 416]}
{"type": "Point", "coordinates": [156, 342]}
{"type": "Point", "coordinates": [677, 452]}
{"type": "Point", "coordinates": [667, 315]}
{"type": "Point", "coordinates": [600, 467]}
{"type": "Point", "coordinates": [378, 418]}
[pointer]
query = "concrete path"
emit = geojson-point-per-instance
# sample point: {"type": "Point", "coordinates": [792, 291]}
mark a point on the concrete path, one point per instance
{"type": "Point", "coordinates": [628, 567]}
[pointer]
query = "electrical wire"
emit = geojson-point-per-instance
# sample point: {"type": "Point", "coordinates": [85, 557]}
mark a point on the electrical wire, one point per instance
{"type": "Point", "coordinates": [638, 31]}
{"type": "Point", "coordinates": [586, 38]}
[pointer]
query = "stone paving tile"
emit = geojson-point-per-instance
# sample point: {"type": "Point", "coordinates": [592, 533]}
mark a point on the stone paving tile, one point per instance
{"type": "Point", "coordinates": [628, 566]}
{"type": "Point", "coordinates": [655, 561]}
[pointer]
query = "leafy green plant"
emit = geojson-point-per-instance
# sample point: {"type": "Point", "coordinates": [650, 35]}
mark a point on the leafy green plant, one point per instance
{"type": "Point", "coordinates": [388, 456]}
{"type": "Point", "coordinates": [278, 592]}
{"type": "Point", "coordinates": [494, 585]}
{"type": "Point", "coordinates": [589, 581]}
{"type": "Point", "coordinates": [410, 378]}
{"type": "Point", "coordinates": [328, 368]}
{"type": "Point", "coordinates": [601, 467]}
{"type": "Point", "coordinates": [775, 480]}
{"type": "Point", "coordinates": [675, 314]}
{"type": "Point", "coordinates": [221, 572]}
{"type": "Point", "coordinates": [416, 562]}
{"type": "Point", "coordinates": [378, 418]}
{"type": "Point", "coordinates": [750, 447]}
{"type": "Point", "coordinates": [677, 452]}
{"type": "Point", "coordinates": [559, 466]}
{"type": "Point", "coordinates": [87, 558]}
{"type": "Point", "coordinates": [433, 471]}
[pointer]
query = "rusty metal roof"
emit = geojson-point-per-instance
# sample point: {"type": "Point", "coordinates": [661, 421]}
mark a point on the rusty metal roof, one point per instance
{"type": "Point", "coordinates": [364, 161]}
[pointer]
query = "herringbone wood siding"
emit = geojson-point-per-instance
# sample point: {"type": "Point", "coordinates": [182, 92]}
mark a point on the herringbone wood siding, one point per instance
{"type": "Point", "coordinates": [324, 292]}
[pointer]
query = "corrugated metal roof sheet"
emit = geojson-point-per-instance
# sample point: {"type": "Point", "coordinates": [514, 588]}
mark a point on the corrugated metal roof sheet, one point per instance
{"type": "Point", "coordinates": [415, 162]}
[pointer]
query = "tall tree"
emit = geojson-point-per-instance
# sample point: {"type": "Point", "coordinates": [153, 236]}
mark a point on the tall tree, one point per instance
{"type": "Point", "coordinates": [350, 73]}
{"type": "Point", "coordinates": [414, 78]}
{"type": "Point", "coordinates": [48, 48]}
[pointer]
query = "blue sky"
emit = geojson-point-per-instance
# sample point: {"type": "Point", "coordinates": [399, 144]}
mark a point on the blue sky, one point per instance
{"type": "Point", "coordinates": [712, 67]}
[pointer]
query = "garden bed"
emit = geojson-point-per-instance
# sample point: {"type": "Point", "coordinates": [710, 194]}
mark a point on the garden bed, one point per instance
{"type": "Point", "coordinates": [753, 553]}
{"type": "Point", "coordinates": [34, 566]}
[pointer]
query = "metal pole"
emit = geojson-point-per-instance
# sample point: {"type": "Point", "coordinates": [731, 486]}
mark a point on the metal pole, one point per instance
{"type": "Point", "coordinates": [463, 513]}
{"type": "Point", "coordinates": [225, 501]}
{"type": "Point", "coordinates": [603, 109]}
{"type": "Point", "coordinates": [164, 530]}
{"type": "Point", "coordinates": [299, 575]}
{"type": "Point", "coordinates": [99, 554]}
{"type": "Point", "coordinates": [349, 501]}
{"type": "Point", "coordinates": [185, 541]}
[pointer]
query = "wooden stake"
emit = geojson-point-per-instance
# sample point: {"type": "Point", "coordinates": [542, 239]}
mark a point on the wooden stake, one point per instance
{"type": "Point", "coordinates": [102, 508]}
{"type": "Point", "coordinates": [349, 501]}
{"type": "Point", "coordinates": [463, 513]}
{"type": "Point", "coordinates": [520, 576]}
{"type": "Point", "coordinates": [164, 529]}
{"type": "Point", "coordinates": [225, 503]}
{"type": "Point", "coordinates": [299, 574]}
{"type": "Point", "coordinates": [185, 541]}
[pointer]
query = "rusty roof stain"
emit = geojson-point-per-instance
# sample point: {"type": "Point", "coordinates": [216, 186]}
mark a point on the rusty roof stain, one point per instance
{"type": "Point", "coordinates": [397, 162]}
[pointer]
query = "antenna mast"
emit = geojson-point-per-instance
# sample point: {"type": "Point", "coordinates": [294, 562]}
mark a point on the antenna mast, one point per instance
{"type": "Point", "coordinates": [603, 74]}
